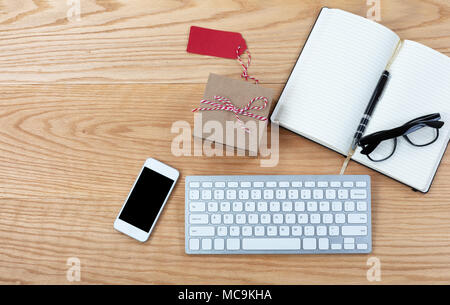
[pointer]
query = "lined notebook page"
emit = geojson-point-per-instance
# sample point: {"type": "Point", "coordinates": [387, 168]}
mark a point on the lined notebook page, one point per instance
{"type": "Point", "coordinates": [334, 78]}
{"type": "Point", "coordinates": [419, 85]}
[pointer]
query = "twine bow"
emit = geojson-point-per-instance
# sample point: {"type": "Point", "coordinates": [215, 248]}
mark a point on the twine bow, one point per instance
{"type": "Point", "coordinates": [225, 104]}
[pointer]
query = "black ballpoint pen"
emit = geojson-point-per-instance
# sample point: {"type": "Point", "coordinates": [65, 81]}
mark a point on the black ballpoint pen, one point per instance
{"type": "Point", "coordinates": [366, 117]}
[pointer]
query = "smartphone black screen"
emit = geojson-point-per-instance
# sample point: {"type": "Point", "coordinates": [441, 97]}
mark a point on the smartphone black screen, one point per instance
{"type": "Point", "coordinates": [146, 199]}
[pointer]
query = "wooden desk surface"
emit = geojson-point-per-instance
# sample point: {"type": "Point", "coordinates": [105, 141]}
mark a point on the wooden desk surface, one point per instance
{"type": "Point", "coordinates": [84, 103]}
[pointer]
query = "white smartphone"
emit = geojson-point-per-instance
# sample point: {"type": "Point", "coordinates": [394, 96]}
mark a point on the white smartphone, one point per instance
{"type": "Point", "coordinates": [146, 200]}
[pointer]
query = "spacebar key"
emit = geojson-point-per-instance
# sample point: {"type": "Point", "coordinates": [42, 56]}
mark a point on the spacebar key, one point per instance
{"type": "Point", "coordinates": [271, 244]}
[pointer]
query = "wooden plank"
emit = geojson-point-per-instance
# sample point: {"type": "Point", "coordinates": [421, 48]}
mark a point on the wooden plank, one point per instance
{"type": "Point", "coordinates": [118, 41]}
{"type": "Point", "coordinates": [70, 153]}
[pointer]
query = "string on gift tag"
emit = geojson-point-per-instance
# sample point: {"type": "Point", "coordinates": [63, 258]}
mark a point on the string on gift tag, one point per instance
{"type": "Point", "coordinates": [225, 104]}
{"type": "Point", "coordinates": [244, 74]}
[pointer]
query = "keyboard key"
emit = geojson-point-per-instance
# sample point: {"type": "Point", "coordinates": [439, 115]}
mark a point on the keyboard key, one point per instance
{"type": "Point", "coordinates": [265, 218]}
{"type": "Point", "coordinates": [293, 194]}
{"type": "Point", "coordinates": [271, 184]}
{"type": "Point", "coordinates": [321, 231]}
{"type": "Point", "coordinates": [222, 231]}
{"type": "Point", "coordinates": [241, 219]}
{"type": "Point", "coordinates": [262, 206]}
{"type": "Point", "coordinates": [259, 231]}
{"type": "Point", "coordinates": [354, 230]}
{"type": "Point", "coordinates": [277, 218]}
{"type": "Point", "coordinates": [311, 206]}
{"type": "Point", "coordinates": [358, 194]}
{"type": "Point", "coordinates": [255, 194]}
{"type": "Point", "coordinates": [302, 218]}
{"type": "Point", "coordinates": [339, 218]}
{"type": "Point", "coordinates": [233, 244]}
{"type": "Point", "coordinates": [309, 243]}
{"type": "Point", "coordinates": [323, 244]}
{"type": "Point", "coordinates": [305, 194]}
{"type": "Point", "coordinates": [299, 206]}
{"type": "Point", "coordinates": [194, 184]}
{"type": "Point", "coordinates": [250, 206]}
{"type": "Point", "coordinates": [194, 244]}
{"type": "Point", "coordinates": [197, 207]}
{"type": "Point", "coordinates": [347, 184]}
{"type": "Point", "coordinates": [343, 194]}
{"type": "Point", "coordinates": [258, 184]}
{"type": "Point", "coordinates": [309, 230]}
{"type": "Point", "coordinates": [225, 206]}
{"type": "Point", "coordinates": [234, 231]}
{"type": "Point", "coordinates": [283, 184]}
{"type": "Point", "coordinates": [349, 206]}
{"type": "Point", "coordinates": [361, 184]}
{"type": "Point", "coordinates": [357, 218]}
{"type": "Point", "coordinates": [206, 194]}
{"type": "Point", "coordinates": [318, 194]}
{"type": "Point", "coordinates": [199, 219]}
{"type": "Point", "coordinates": [206, 244]}
{"type": "Point", "coordinates": [247, 231]}
{"type": "Point", "coordinates": [219, 184]}
{"type": "Point", "coordinates": [219, 244]}
{"type": "Point", "coordinates": [219, 194]}
{"type": "Point", "coordinates": [296, 231]}
{"type": "Point", "coordinates": [290, 218]}
{"type": "Point", "coordinates": [268, 194]}
{"type": "Point", "coordinates": [207, 184]}
{"type": "Point", "coordinates": [322, 184]}
{"type": "Point", "coordinates": [274, 206]}
{"type": "Point", "coordinates": [201, 231]}
{"type": "Point", "coordinates": [286, 206]}
{"type": "Point", "coordinates": [335, 184]}
{"type": "Point", "coordinates": [194, 194]}
{"type": "Point", "coordinates": [272, 231]}
{"type": "Point", "coordinates": [349, 240]}
{"type": "Point", "coordinates": [231, 194]}
{"type": "Point", "coordinates": [336, 246]}
{"type": "Point", "coordinates": [213, 206]}
{"type": "Point", "coordinates": [336, 206]}
{"type": "Point", "coordinates": [271, 243]}
{"type": "Point", "coordinates": [333, 230]}
{"type": "Point", "coordinates": [324, 206]}
{"type": "Point", "coordinates": [361, 246]}
{"type": "Point", "coordinates": [280, 194]}
{"type": "Point", "coordinates": [330, 194]}
{"type": "Point", "coordinates": [237, 206]}
{"type": "Point", "coordinates": [310, 184]}
{"type": "Point", "coordinates": [228, 219]}
{"type": "Point", "coordinates": [243, 194]}
{"type": "Point", "coordinates": [216, 219]}
{"type": "Point", "coordinates": [284, 231]}
{"type": "Point", "coordinates": [232, 184]}
{"type": "Point", "coordinates": [327, 218]}
{"type": "Point", "coordinates": [361, 206]}
{"type": "Point", "coordinates": [315, 218]}
{"type": "Point", "coordinates": [246, 184]}
{"type": "Point", "coordinates": [296, 184]}
{"type": "Point", "coordinates": [349, 246]}
{"type": "Point", "coordinates": [253, 219]}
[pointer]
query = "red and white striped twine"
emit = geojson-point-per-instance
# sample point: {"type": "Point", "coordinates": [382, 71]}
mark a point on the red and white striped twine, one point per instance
{"type": "Point", "coordinates": [244, 74]}
{"type": "Point", "coordinates": [226, 105]}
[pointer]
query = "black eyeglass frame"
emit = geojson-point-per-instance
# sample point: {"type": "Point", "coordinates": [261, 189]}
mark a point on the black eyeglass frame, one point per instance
{"type": "Point", "coordinates": [370, 142]}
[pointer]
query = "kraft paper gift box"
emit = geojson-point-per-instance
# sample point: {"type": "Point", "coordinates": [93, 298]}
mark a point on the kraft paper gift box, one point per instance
{"type": "Point", "coordinates": [240, 93]}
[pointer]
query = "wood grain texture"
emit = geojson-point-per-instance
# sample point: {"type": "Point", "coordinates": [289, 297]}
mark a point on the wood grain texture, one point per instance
{"type": "Point", "coordinates": [145, 41]}
{"type": "Point", "coordinates": [69, 153]}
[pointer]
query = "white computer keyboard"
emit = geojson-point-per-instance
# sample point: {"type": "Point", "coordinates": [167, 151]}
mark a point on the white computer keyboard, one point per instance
{"type": "Point", "coordinates": [278, 214]}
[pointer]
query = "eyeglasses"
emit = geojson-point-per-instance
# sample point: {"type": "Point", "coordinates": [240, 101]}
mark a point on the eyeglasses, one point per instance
{"type": "Point", "coordinates": [420, 132]}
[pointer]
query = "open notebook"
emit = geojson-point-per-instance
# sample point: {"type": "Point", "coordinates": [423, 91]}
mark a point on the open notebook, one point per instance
{"type": "Point", "coordinates": [335, 76]}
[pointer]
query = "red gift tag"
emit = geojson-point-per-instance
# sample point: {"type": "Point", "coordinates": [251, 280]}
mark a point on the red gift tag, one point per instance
{"type": "Point", "coordinates": [215, 43]}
